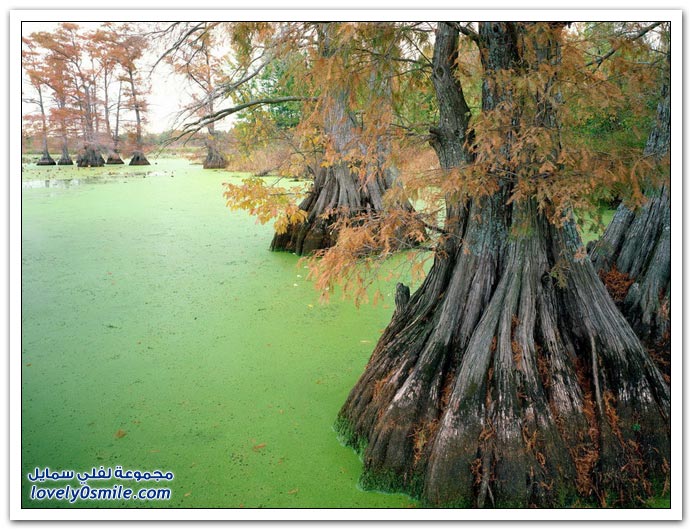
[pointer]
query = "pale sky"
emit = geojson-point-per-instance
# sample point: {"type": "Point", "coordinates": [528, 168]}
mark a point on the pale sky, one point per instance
{"type": "Point", "coordinates": [169, 91]}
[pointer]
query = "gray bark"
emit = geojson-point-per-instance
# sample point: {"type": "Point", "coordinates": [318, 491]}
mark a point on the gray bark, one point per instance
{"type": "Point", "coordinates": [338, 190]}
{"type": "Point", "coordinates": [497, 385]}
{"type": "Point", "coordinates": [138, 156]}
{"type": "Point", "coordinates": [637, 243]}
{"type": "Point", "coordinates": [90, 156]}
{"type": "Point", "coordinates": [46, 159]}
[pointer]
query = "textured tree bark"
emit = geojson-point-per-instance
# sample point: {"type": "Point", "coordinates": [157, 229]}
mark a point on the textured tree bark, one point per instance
{"type": "Point", "coordinates": [46, 159]}
{"type": "Point", "coordinates": [139, 159]}
{"type": "Point", "coordinates": [116, 131]}
{"type": "Point", "coordinates": [138, 156]}
{"type": "Point", "coordinates": [90, 157]}
{"type": "Point", "coordinates": [338, 189]}
{"type": "Point", "coordinates": [502, 383]}
{"type": "Point", "coordinates": [637, 244]}
{"type": "Point", "coordinates": [215, 158]}
{"type": "Point", "coordinates": [114, 158]}
{"type": "Point", "coordinates": [65, 159]}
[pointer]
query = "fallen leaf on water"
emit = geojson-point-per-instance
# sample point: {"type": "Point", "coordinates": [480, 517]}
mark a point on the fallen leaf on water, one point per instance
{"type": "Point", "coordinates": [28, 364]}
{"type": "Point", "coordinates": [257, 447]}
{"type": "Point", "coordinates": [187, 494]}
{"type": "Point", "coordinates": [364, 341]}
{"type": "Point", "coordinates": [155, 451]}
{"type": "Point", "coordinates": [292, 492]}
{"type": "Point", "coordinates": [120, 433]}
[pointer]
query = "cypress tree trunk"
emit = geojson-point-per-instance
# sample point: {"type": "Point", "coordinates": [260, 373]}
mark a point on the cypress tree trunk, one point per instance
{"type": "Point", "coordinates": [114, 158]}
{"type": "Point", "coordinates": [46, 159]}
{"type": "Point", "coordinates": [635, 248]}
{"type": "Point", "coordinates": [501, 383]}
{"type": "Point", "coordinates": [65, 159]}
{"type": "Point", "coordinates": [215, 158]}
{"type": "Point", "coordinates": [139, 159]}
{"type": "Point", "coordinates": [90, 157]}
{"type": "Point", "coordinates": [338, 189]}
{"type": "Point", "coordinates": [116, 132]}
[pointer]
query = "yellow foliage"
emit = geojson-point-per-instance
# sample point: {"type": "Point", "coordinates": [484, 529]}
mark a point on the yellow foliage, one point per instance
{"type": "Point", "coordinates": [265, 202]}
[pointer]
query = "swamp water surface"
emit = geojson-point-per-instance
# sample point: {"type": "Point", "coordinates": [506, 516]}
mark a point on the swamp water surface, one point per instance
{"type": "Point", "coordinates": [160, 333]}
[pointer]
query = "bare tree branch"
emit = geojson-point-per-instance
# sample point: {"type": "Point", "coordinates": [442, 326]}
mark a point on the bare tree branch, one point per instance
{"type": "Point", "coordinates": [598, 61]}
{"type": "Point", "coordinates": [200, 26]}
{"type": "Point", "coordinates": [193, 127]}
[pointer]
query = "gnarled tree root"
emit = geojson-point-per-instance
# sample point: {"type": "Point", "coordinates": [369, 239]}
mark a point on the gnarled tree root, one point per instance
{"type": "Point", "coordinates": [510, 379]}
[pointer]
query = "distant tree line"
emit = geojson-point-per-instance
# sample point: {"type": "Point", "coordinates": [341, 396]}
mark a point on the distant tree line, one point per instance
{"type": "Point", "coordinates": [87, 89]}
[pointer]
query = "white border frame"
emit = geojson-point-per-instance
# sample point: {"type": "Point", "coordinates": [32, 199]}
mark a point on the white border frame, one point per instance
{"type": "Point", "coordinates": [18, 513]}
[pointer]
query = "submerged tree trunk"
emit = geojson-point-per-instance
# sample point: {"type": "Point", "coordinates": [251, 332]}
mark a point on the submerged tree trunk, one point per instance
{"type": "Point", "coordinates": [509, 379]}
{"type": "Point", "coordinates": [90, 157]}
{"type": "Point", "coordinates": [46, 159]}
{"type": "Point", "coordinates": [634, 252]}
{"type": "Point", "coordinates": [215, 158]}
{"type": "Point", "coordinates": [338, 190]}
{"type": "Point", "coordinates": [116, 131]}
{"type": "Point", "coordinates": [114, 158]}
{"type": "Point", "coordinates": [65, 158]}
{"type": "Point", "coordinates": [138, 159]}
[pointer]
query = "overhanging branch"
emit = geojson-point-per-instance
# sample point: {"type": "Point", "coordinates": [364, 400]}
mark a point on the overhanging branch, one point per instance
{"type": "Point", "coordinates": [599, 60]}
{"type": "Point", "coordinates": [196, 126]}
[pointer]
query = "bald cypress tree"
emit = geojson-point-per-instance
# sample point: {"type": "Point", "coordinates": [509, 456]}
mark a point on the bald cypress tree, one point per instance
{"type": "Point", "coordinates": [634, 251]}
{"type": "Point", "coordinates": [510, 378]}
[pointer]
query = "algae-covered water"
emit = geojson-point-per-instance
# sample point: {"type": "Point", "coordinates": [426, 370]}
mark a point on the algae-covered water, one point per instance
{"type": "Point", "coordinates": [160, 333]}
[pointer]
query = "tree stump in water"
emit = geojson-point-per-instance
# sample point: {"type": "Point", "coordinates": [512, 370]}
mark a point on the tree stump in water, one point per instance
{"type": "Point", "coordinates": [138, 159]}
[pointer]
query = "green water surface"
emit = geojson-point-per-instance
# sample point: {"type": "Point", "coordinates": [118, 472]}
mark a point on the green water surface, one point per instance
{"type": "Point", "coordinates": [160, 333]}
